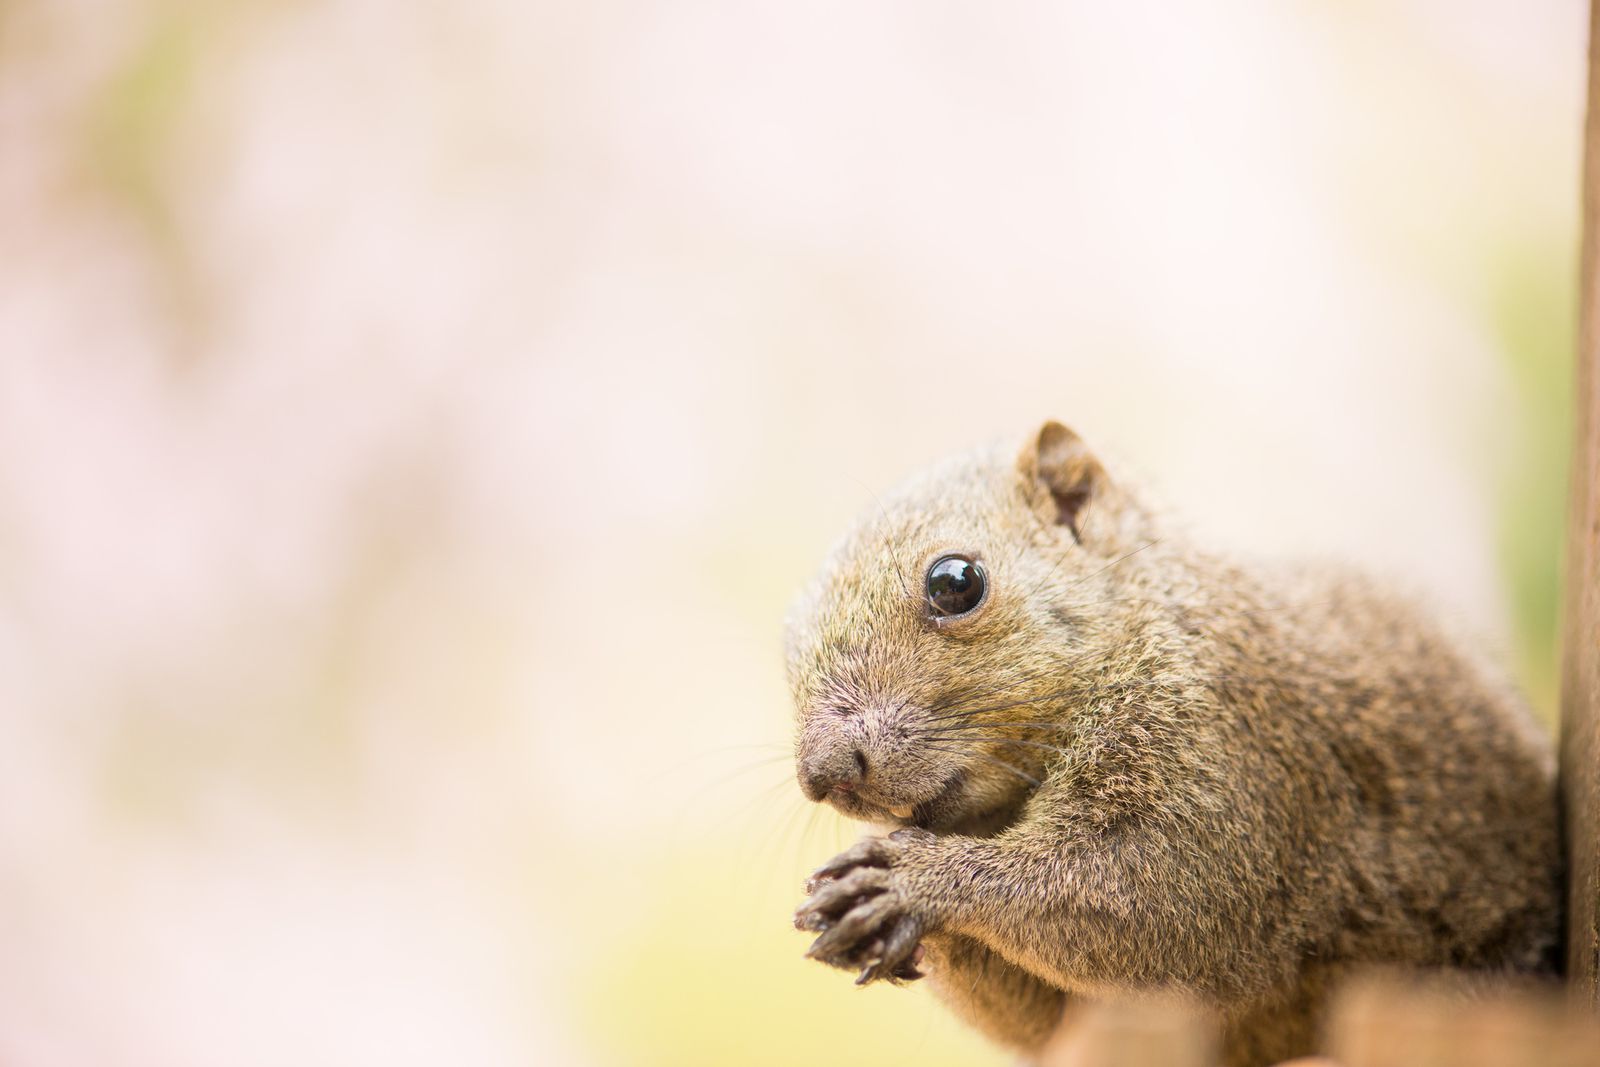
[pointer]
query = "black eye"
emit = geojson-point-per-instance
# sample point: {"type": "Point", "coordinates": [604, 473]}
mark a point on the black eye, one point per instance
{"type": "Point", "coordinates": [956, 585]}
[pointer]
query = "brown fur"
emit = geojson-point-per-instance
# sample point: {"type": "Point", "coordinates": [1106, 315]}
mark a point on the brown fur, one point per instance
{"type": "Point", "coordinates": [1229, 783]}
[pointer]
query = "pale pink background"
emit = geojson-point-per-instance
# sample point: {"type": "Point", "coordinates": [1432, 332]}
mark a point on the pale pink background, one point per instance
{"type": "Point", "coordinates": [414, 419]}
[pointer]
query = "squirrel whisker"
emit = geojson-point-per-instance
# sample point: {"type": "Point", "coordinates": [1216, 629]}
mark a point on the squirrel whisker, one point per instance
{"type": "Point", "coordinates": [1002, 741]}
{"type": "Point", "coordinates": [1058, 694]}
{"type": "Point", "coordinates": [971, 692]}
{"type": "Point", "coordinates": [1025, 776]}
{"type": "Point", "coordinates": [991, 725]}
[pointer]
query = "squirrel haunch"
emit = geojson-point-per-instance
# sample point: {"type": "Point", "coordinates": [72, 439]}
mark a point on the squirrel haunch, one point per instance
{"type": "Point", "coordinates": [1127, 765]}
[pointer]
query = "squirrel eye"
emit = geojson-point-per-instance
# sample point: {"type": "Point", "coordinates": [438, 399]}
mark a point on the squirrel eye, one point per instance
{"type": "Point", "coordinates": [956, 585]}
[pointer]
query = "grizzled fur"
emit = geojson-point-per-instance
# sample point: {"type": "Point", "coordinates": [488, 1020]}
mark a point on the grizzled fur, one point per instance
{"type": "Point", "coordinates": [1138, 767]}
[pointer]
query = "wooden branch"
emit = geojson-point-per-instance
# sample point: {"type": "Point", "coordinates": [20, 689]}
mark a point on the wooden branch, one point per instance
{"type": "Point", "coordinates": [1580, 669]}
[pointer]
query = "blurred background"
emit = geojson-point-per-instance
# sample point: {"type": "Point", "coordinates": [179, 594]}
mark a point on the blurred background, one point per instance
{"type": "Point", "coordinates": [414, 420]}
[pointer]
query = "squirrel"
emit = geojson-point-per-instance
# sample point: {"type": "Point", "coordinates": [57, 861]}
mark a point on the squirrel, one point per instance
{"type": "Point", "coordinates": [1117, 764]}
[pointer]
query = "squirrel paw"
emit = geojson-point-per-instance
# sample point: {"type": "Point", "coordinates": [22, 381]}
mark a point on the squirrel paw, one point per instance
{"type": "Point", "coordinates": [860, 906]}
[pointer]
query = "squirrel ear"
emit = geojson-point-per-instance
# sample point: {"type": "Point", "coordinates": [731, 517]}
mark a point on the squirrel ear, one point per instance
{"type": "Point", "coordinates": [1060, 474]}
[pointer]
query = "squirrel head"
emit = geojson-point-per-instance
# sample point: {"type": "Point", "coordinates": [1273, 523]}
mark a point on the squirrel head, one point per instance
{"type": "Point", "coordinates": [973, 599]}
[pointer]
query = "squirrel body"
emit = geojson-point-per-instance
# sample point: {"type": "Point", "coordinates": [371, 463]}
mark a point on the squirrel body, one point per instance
{"type": "Point", "coordinates": [1120, 764]}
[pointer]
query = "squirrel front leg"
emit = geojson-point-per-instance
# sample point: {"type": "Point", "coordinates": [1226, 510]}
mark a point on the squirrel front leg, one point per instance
{"type": "Point", "coordinates": [1129, 911]}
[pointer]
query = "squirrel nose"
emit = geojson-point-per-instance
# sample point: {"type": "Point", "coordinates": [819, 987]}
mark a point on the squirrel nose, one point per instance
{"type": "Point", "coordinates": [840, 770]}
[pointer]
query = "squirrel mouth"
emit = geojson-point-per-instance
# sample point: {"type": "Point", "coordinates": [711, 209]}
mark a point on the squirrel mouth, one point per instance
{"type": "Point", "coordinates": [921, 813]}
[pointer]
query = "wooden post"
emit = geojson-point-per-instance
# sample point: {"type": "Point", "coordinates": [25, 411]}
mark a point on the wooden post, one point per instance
{"type": "Point", "coordinates": [1580, 668]}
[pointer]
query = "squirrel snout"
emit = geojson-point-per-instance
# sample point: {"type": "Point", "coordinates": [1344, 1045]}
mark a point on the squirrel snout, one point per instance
{"type": "Point", "coordinates": [841, 770]}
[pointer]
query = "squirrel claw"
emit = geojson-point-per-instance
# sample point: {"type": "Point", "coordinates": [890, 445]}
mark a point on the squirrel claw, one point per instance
{"type": "Point", "coordinates": [904, 971]}
{"type": "Point", "coordinates": [868, 852]}
{"type": "Point", "coordinates": [860, 910]}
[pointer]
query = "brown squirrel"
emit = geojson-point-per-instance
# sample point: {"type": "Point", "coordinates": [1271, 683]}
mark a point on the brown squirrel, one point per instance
{"type": "Point", "coordinates": [1120, 764]}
